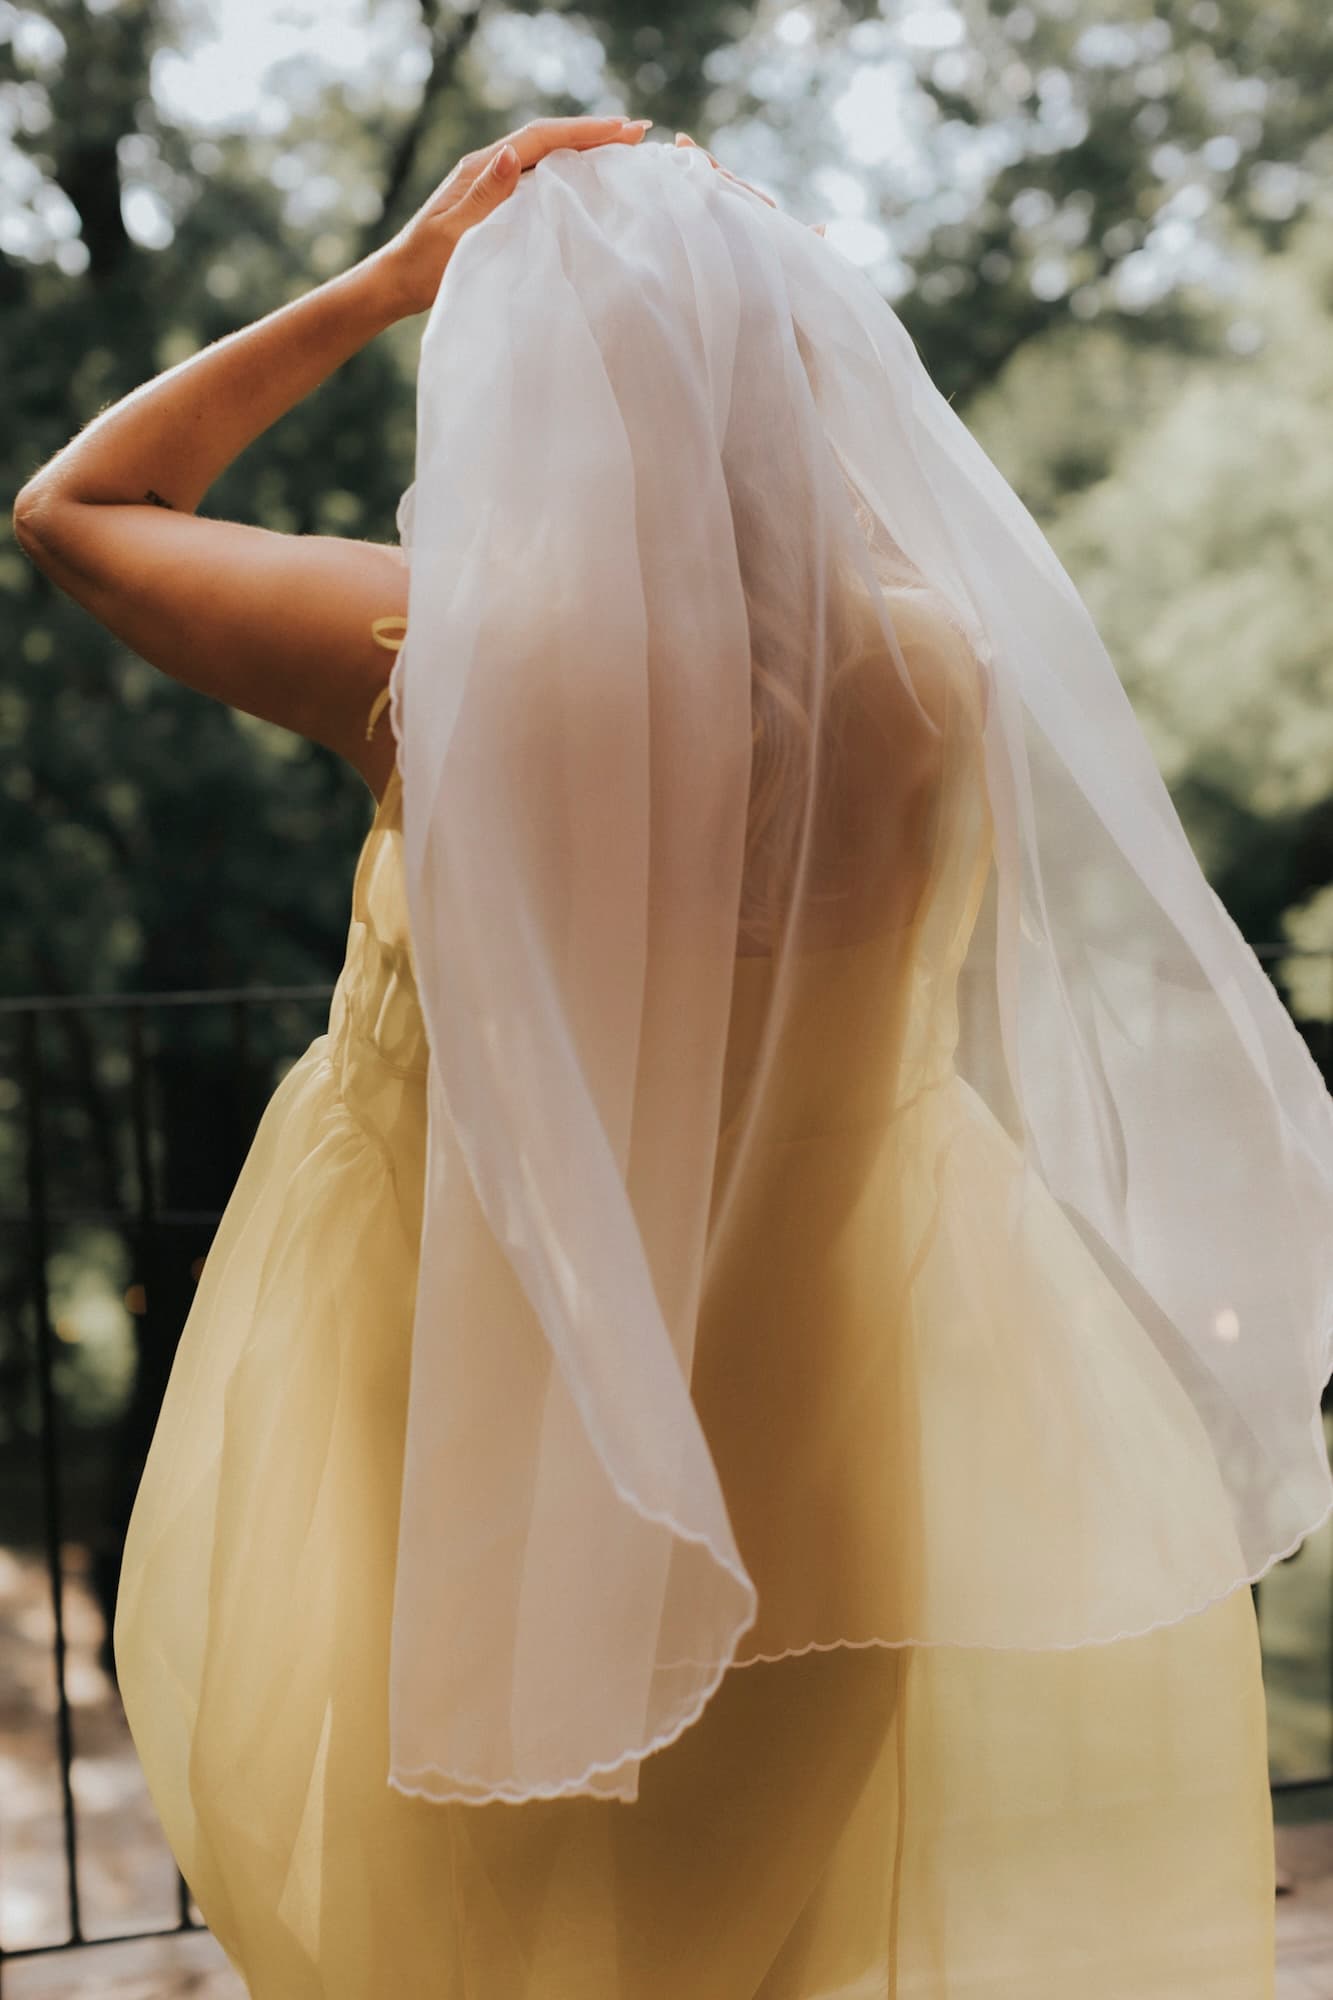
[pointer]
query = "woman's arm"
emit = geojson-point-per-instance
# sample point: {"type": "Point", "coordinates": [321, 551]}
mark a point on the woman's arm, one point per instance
{"type": "Point", "coordinates": [277, 625]}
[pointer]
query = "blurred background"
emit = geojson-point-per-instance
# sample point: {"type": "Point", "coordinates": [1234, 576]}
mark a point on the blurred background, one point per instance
{"type": "Point", "coordinates": [1107, 228]}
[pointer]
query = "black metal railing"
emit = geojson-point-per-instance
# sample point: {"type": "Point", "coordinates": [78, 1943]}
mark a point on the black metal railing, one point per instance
{"type": "Point", "coordinates": [67, 1105]}
{"type": "Point", "coordinates": [142, 1220]}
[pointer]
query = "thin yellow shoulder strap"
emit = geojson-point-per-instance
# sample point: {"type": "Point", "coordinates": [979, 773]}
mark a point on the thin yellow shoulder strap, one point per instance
{"type": "Point", "coordinates": [378, 631]}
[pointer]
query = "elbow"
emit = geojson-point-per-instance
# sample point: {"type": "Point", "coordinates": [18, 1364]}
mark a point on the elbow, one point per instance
{"type": "Point", "coordinates": [27, 518]}
{"type": "Point", "coordinates": [46, 528]}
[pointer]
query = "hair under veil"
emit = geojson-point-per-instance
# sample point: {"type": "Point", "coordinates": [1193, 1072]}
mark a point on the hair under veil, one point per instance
{"type": "Point", "coordinates": [873, 1194]}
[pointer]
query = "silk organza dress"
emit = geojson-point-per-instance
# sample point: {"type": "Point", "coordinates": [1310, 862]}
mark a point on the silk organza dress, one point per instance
{"type": "Point", "coordinates": [862, 1820]}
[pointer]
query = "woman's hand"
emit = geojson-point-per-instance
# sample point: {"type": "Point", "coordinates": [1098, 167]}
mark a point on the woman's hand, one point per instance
{"type": "Point", "coordinates": [418, 254]}
{"type": "Point", "coordinates": [684, 139]}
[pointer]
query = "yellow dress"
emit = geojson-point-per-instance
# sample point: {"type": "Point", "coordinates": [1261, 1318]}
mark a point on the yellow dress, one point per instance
{"type": "Point", "coordinates": [870, 1822]}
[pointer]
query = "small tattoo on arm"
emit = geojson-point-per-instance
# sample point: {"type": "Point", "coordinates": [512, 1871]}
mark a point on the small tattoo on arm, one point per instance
{"type": "Point", "coordinates": [157, 499]}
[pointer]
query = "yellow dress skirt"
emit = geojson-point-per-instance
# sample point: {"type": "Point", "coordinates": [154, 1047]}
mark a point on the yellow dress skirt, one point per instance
{"type": "Point", "coordinates": [936, 1821]}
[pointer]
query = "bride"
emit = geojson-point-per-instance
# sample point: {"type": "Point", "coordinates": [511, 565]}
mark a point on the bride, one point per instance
{"type": "Point", "coordinates": [724, 1431]}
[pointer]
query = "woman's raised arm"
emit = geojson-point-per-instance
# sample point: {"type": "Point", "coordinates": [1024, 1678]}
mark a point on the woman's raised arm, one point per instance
{"type": "Point", "coordinates": [277, 625]}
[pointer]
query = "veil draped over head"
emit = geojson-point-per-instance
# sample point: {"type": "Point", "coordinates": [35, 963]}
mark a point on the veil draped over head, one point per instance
{"type": "Point", "coordinates": [874, 1195]}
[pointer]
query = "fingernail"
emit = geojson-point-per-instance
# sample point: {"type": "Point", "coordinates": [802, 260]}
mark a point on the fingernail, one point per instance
{"type": "Point", "coordinates": [506, 160]}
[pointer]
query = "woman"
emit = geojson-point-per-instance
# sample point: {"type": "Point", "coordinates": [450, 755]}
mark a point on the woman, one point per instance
{"type": "Point", "coordinates": [717, 1449]}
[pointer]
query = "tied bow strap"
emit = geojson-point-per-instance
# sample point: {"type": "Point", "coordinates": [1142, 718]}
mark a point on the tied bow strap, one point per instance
{"type": "Point", "coordinates": [378, 633]}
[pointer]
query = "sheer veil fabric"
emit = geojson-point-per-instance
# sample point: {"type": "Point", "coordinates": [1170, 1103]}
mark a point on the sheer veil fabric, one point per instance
{"type": "Point", "coordinates": [743, 708]}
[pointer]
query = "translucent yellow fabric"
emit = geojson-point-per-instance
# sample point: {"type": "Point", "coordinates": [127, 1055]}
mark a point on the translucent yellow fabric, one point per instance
{"type": "Point", "coordinates": [932, 1821]}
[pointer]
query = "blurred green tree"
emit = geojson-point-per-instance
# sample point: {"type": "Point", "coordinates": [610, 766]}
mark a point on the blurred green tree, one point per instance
{"type": "Point", "coordinates": [1197, 533]}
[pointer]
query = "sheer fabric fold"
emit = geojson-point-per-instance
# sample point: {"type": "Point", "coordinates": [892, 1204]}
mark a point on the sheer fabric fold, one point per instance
{"type": "Point", "coordinates": [873, 1195]}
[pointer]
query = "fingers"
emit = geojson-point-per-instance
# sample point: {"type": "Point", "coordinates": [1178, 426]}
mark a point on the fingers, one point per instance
{"type": "Point", "coordinates": [482, 179]}
{"type": "Point", "coordinates": [684, 139]}
{"type": "Point", "coordinates": [494, 181]}
{"type": "Point", "coordinates": [547, 135]}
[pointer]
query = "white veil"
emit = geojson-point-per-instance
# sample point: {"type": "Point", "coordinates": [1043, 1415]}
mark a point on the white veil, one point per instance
{"type": "Point", "coordinates": [794, 897]}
